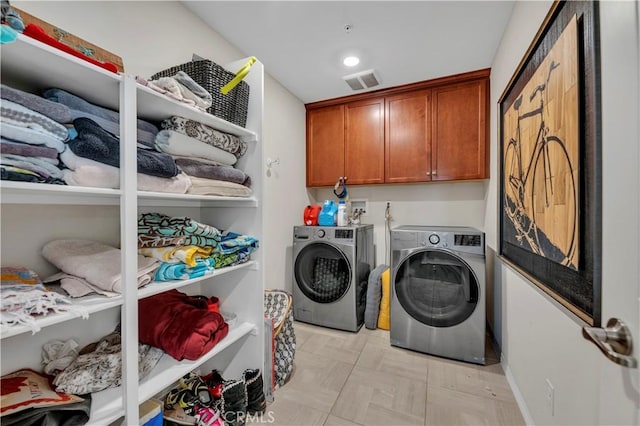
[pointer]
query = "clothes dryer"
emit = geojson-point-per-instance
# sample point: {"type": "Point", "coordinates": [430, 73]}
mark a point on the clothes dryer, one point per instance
{"type": "Point", "coordinates": [331, 267]}
{"type": "Point", "coordinates": [438, 291]}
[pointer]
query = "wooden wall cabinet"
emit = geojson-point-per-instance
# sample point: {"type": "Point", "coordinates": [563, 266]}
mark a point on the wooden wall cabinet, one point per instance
{"type": "Point", "coordinates": [435, 130]}
{"type": "Point", "coordinates": [346, 141]}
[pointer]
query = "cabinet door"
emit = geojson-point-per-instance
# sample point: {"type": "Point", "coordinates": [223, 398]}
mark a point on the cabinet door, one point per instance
{"type": "Point", "coordinates": [325, 145]}
{"type": "Point", "coordinates": [408, 137]}
{"type": "Point", "coordinates": [459, 131]}
{"type": "Point", "coordinates": [364, 142]}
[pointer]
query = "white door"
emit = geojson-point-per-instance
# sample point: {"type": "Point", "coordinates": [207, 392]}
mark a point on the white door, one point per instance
{"type": "Point", "coordinates": [620, 47]}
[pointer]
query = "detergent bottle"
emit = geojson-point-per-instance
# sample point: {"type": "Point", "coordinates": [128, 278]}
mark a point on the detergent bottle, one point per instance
{"type": "Point", "coordinates": [342, 219]}
{"type": "Point", "coordinates": [328, 213]}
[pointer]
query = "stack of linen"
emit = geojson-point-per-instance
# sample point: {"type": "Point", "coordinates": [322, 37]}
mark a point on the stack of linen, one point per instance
{"type": "Point", "coordinates": [91, 267]}
{"type": "Point", "coordinates": [32, 136]}
{"type": "Point", "coordinates": [189, 249]}
{"type": "Point", "coordinates": [182, 88]}
{"type": "Point", "coordinates": [93, 154]}
{"type": "Point", "coordinates": [206, 155]}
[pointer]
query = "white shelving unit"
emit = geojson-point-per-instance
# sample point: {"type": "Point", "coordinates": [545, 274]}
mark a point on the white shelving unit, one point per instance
{"type": "Point", "coordinates": [34, 214]}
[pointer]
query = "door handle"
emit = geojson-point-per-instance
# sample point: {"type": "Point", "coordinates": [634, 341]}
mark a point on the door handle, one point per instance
{"type": "Point", "coordinates": [614, 341]}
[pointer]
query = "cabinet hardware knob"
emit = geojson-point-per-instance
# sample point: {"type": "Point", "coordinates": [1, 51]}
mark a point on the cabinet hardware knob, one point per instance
{"type": "Point", "coordinates": [428, 173]}
{"type": "Point", "coordinates": [435, 173]}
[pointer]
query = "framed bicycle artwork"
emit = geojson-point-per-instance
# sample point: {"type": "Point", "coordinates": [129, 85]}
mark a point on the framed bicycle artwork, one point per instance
{"type": "Point", "coordinates": [550, 209]}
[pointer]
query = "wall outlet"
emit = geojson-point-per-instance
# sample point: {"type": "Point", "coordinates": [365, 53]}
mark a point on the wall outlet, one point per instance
{"type": "Point", "coordinates": [550, 397]}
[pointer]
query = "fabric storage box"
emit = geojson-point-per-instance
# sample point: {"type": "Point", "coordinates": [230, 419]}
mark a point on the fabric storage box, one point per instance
{"type": "Point", "coordinates": [231, 107]}
{"type": "Point", "coordinates": [278, 306]}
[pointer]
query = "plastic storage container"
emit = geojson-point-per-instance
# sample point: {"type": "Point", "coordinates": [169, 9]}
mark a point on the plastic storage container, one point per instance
{"type": "Point", "coordinates": [342, 219]}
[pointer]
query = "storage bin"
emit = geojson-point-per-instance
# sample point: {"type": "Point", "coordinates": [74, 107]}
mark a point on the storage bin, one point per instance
{"type": "Point", "coordinates": [231, 107]}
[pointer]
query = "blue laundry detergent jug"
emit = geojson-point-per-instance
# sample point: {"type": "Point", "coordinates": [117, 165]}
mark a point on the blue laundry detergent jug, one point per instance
{"type": "Point", "coordinates": [328, 213]}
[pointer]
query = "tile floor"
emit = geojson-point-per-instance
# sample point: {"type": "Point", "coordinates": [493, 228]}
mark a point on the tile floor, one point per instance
{"type": "Point", "coordinates": [344, 378]}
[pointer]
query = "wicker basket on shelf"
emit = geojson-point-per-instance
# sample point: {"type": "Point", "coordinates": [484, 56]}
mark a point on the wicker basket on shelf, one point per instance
{"type": "Point", "coordinates": [231, 107]}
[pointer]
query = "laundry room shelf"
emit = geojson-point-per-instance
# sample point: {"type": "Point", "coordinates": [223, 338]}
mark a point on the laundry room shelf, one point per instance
{"type": "Point", "coordinates": [153, 199]}
{"type": "Point", "coordinates": [42, 193]}
{"type": "Point", "coordinates": [155, 106]}
{"type": "Point", "coordinates": [90, 304]}
{"type": "Point", "coordinates": [157, 287]}
{"type": "Point", "coordinates": [107, 403]}
{"type": "Point", "coordinates": [23, 65]}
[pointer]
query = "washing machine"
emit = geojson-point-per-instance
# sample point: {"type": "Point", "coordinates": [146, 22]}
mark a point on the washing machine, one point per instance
{"type": "Point", "coordinates": [438, 291]}
{"type": "Point", "coordinates": [331, 267]}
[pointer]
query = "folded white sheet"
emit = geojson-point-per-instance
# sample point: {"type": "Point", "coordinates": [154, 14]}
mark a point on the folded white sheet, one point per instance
{"type": "Point", "coordinates": [175, 143]}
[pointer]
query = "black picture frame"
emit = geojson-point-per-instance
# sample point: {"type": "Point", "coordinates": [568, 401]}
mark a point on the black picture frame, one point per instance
{"type": "Point", "coordinates": [578, 286]}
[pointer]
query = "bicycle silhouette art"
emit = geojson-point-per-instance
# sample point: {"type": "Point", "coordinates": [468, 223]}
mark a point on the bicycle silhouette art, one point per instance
{"type": "Point", "coordinates": [540, 194]}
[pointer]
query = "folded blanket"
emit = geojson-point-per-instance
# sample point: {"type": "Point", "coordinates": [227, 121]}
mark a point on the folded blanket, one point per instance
{"type": "Point", "coordinates": [180, 325]}
{"type": "Point", "coordinates": [95, 143]}
{"type": "Point", "coordinates": [9, 147]}
{"type": "Point", "coordinates": [200, 160]}
{"type": "Point", "coordinates": [95, 262]}
{"type": "Point", "coordinates": [176, 254]}
{"type": "Point", "coordinates": [186, 80]}
{"type": "Point", "coordinates": [232, 242]}
{"type": "Point", "coordinates": [78, 103]}
{"type": "Point", "coordinates": [54, 110]}
{"type": "Point", "coordinates": [19, 115]}
{"type": "Point", "coordinates": [79, 287]}
{"type": "Point", "coordinates": [200, 186]}
{"type": "Point", "coordinates": [145, 139]}
{"type": "Point", "coordinates": [206, 134]}
{"type": "Point", "coordinates": [176, 143]}
{"type": "Point", "coordinates": [86, 172]}
{"type": "Point", "coordinates": [161, 224]}
{"type": "Point", "coordinates": [193, 167]}
{"type": "Point", "coordinates": [21, 175]}
{"type": "Point", "coordinates": [221, 260]}
{"type": "Point", "coordinates": [39, 165]}
{"type": "Point", "coordinates": [30, 136]}
{"type": "Point", "coordinates": [180, 271]}
{"type": "Point", "coordinates": [170, 87]}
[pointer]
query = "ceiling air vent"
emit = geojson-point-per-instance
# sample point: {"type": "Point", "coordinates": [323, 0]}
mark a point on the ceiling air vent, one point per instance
{"type": "Point", "coordinates": [362, 80]}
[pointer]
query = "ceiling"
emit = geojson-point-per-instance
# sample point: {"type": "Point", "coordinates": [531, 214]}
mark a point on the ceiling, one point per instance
{"type": "Point", "coordinates": [302, 43]}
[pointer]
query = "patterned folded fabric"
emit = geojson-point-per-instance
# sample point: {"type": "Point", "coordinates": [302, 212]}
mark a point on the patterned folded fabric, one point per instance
{"type": "Point", "coordinates": [21, 116]}
{"type": "Point", "coordinates": [206, 134]}
{"type": "Point", "coordinates": [232, 242]}
{"type": "Point", "coordinates": [231, 259]}
{"type": "Point", "coordinates": [176, 254]}
{"type": "Point", "coordinates": [27, 150]}
{"type": "Point", "coordinates": [53, 110]}
{"type": "Point", "coordinates": [161, 224]}
{"type": "Point", "coordinates": [39, 165]}
{"type": "Point", "coordinates": [17, 174]}
{"type": "Point", "coordinates": [180, 271]}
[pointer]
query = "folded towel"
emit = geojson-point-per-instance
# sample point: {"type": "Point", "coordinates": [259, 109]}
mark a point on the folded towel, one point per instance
{"type": "Point", "coordinates": [180, 271]}
{"type": "Point", "coordinates": [176, 143]}
{"type": "Point", "coordinates": [206, 134]}
{"type": "Point", "coordinates": [79, 287]}
{"type": "Point", "coordinates": [170, 87]}
{"type": "Point", "coordinates": [54, 110]}
{"type": "Point", "coordinates": [95, 143]}
{"type": "Point", "coordinates": [196, 168]}
{"type": "Point", "coordinates": [161, 224]}
{"type": "Point", "coordinates": [95, 262]}
{"type": "Point", "coordinates": [200, 160]}
{"type": "Point", "coordinates": [186, 80]}
{"type": "Point", "coordinates": [200, 186]}
{"type": "Point", "coordinates": [21, 116]}
{"type": "Point", "coordinates": [145, 139]}
{"type": "Point", "coordinates": [231, 259]}
{"type": "Point", "coordinates": [78, 103]}
{"type": "Point", "coordinates": [17, 174]}
{"type": "Point", "coordinates": [177, 254]}
{"type": "Point", "coordinates": [232, 242]}
{"type": "Point", "coordinates": [10, 147]}
{"type": "Point", "coordinates": [86, 172]}
{"type": "Point", "coordinates": [39, 165]}
{"type": "Point", "coordinates": [30, 136]}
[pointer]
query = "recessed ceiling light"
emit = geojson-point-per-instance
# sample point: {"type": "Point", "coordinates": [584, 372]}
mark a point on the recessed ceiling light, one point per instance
{"type": "Point", "coordinates": [351, 61]}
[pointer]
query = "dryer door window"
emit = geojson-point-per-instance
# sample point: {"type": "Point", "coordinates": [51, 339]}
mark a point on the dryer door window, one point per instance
{"type": "Point", "coordinates": [436, 288]}
{"type": "Point", "coordinates": [322, 272]}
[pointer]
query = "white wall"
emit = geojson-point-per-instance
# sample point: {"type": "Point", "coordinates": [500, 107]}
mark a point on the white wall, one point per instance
{"type": "Point", "coordinates": [540, 340]}
{"type": "Point", "coordinates": [151, 36]}
{"type": "Point", "coordinates": [441, 204]}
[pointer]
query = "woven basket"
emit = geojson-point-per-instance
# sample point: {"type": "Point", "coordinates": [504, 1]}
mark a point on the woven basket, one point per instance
{"type": "Point", "coordinates": [231, 107]}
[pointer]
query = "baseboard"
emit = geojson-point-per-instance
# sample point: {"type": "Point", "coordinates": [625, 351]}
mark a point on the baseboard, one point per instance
{"type": "Point", "coordinates": [516, 393]}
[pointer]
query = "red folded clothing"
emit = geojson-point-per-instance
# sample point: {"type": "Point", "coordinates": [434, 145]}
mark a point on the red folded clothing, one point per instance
{"type": "Point", "coordinates": [179, 324]}
{"type": "Point", "coordinates": [34, 31]}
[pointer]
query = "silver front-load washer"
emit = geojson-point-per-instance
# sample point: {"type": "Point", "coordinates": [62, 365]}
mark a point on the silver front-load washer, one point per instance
{"type": "Point", "coordinates": [438, 291]}
{"type": "Point", "coordinates": [331, 267]}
